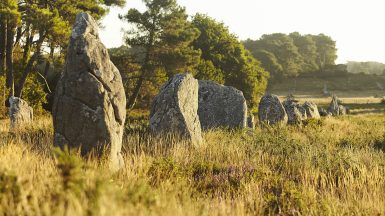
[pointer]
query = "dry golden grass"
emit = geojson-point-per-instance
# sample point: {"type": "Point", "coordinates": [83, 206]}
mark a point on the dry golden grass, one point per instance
{"type": "Point", "coordinates": [335, 166]}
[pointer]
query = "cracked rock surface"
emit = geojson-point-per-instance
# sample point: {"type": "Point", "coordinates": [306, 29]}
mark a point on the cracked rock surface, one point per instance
{"type": "Point", "coordinates": [89, 108]}
{"type": "Point", "coordinates": [334, 107]}
{"type": "Point", "coordinates": [175, 109]}
{"type": "Point", "coordinates": [271, 111]}
{"type": "Point", "coordinates": [221, 106]}
{"type": "Point", "coordinates": [311, 110]}
{"type": "Point", "coordinates": [295, 112]}
{"type": "Point", "coordinates": [19, 112]}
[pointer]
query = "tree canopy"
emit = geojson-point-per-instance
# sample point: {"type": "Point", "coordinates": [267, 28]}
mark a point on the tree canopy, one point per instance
{"type": "Point", "coordinates": [164, 35]}
{"type": "Point", "coordinates": [225, 60]}
{"type": "Point", "coordinates": [293, 54]}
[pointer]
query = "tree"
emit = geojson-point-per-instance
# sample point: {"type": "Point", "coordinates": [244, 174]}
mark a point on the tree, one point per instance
{"type": "Point", "coordinates": [269, 63]}
{"type": "Point", "coordinates": [307, 48]}
{"type": "Point", "coordinates": [294, 54]}
{"type": "Point", "coordinates": [164, 34]}
{"type": "Point", "coordinates": [223, 54]}
{"type": "Point", "coordinates": [326, 49]}
{"type": "Point", "coordinates": [283, 48]}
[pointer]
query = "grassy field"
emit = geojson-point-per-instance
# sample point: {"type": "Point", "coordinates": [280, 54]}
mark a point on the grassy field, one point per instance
{"type": "Point", "coordinates": [333, 166]}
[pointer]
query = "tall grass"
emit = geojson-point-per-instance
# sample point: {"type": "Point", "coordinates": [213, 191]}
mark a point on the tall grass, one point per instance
{"type": "Point", "coordinates": [334, 166]}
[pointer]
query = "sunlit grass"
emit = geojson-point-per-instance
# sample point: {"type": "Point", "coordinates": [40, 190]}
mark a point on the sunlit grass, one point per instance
{"type": "Point", "coordinates": [334, 166]}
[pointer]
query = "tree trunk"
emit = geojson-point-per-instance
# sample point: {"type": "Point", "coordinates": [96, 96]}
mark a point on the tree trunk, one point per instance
{"type": "Point", "coordinates": [145, 68]}
{"type": "Point", "coordinates": [9, 57]}
{"type": "Point", "coordinates": [3, 42]}
{"type": "Point", "coordinates": [27, 45]}
{"type": "Point", "coordinates": [28, 68]}
{"type": "Point", "coordinates": [135, 94]}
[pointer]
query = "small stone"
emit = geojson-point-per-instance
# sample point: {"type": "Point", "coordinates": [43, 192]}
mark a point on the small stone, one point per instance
{"type": "Point", "coordinates": [334, 106]}
{"type": "Point", "coordinates": [19, 112]}
{"type": "Point", "coordinates": [296, 113]}
{"type": "Point", "coordinates": [311, 110]}
{"type": "Point", "coordinates": [342, 110]}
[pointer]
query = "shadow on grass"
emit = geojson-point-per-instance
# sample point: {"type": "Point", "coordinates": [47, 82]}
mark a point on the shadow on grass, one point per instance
{"type": "Point", "coordinates": [380, 144]}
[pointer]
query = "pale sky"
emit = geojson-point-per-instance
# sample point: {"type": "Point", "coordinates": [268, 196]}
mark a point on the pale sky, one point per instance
{"type": "Point", "coordinates": [358, 26]}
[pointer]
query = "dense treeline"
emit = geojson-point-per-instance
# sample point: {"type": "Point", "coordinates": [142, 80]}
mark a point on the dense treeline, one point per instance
{"type": "Point", "coordinates": [366, 67]}
{"type": "Point", "coordinates": [294, 54]}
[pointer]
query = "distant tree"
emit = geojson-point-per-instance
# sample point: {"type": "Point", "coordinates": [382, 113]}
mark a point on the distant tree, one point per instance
{"type": "Point", "coordinates": [295, 53]}
{"type": "Point", "coordinates": [326, 50]}
{"type": "Point", "coordinates": [283, 48]}
{"type": "Point", "coordinates": [224, 57]}
{"type": "Point", "coordinates": [307, 48]}
{"type": "Point", "coordinates": [365, 67]}
{"type": "Point", "coordinates": [165, 35]}
{"type": "Point", "coordinates": [270, 63]}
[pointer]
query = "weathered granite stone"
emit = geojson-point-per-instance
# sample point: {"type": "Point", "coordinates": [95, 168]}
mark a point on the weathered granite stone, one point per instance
{"type": "Point", "coordinates": [311, 110]}
{"type": "Point", "coordinates": [323, 112]}
{"type": "Point", "coordinates": [271, 111]}
{"type": "Point", "coordinates": [89, 108]}
{"type": "Point", "coordinates": [334, 106]}
{"type": "Point", "coordinates": [221, 106]}
{"type": "Point", "coordinates": [175, 109]}
{"type": "Point", "coordinates": [296, 113]}
{"type": "Point", "coordinates": [342, 110]}
{"type": "Point", "coordinates": [19, 112]}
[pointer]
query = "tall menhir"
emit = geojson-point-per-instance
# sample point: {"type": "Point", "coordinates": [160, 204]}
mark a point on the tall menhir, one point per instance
{"type": "Point", "coordinates": [89, 108]}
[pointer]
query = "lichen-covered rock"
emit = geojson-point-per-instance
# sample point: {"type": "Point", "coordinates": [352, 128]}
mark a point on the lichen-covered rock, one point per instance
{"type": "Point", "coordinates": [295, 113]}
{"type": "Point", "coordinates": [19, 112]}
{"type": "Point", "coordinates": [323, 112]}
{"type": "Point", "coordinates": [311, 110]}
{"type": "Point", "coordinates": [89, 110]}
{"type": "Point", "coordinates": [251, 121]}
{"type": "Point", "coordinates": [342, 110]}
{"type": "Point", "coordinates": [334, 106]}
{"type": "Point", "coordinates": [221, 106]}
{"type": "Point", "coordinates": [271, 111]}
{"type": "Point", "coordinates": [175, 109]}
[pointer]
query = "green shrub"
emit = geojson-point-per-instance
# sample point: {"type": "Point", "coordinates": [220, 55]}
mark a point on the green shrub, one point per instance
{"type": "Point", "coordinates": [34, 94]}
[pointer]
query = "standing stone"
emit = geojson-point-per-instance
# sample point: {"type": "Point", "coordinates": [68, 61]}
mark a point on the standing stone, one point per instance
{"type": "Point", "coordinates": [334, 106]}
{"type": "Point", "coordinates": [89, 108]}
{"type": "Point", "coordinates": [251, 121]}
{"type": "Point", "coordinates": [221, 106]}
{"type": "Point", "coordinates": [323, 112]}
{"type": "Point", "coordinates": [271, 111]}
{"type": "Point", "coordinates": [342, 110]}
{"type": "Point", "coordinates": [175, 109]}
{"type": "Point", "coordinates": [311, 110]}
{"type": "Point", "coordinates": [296, 113]}
{"type": "Point", "coordinates": [19, 112]}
